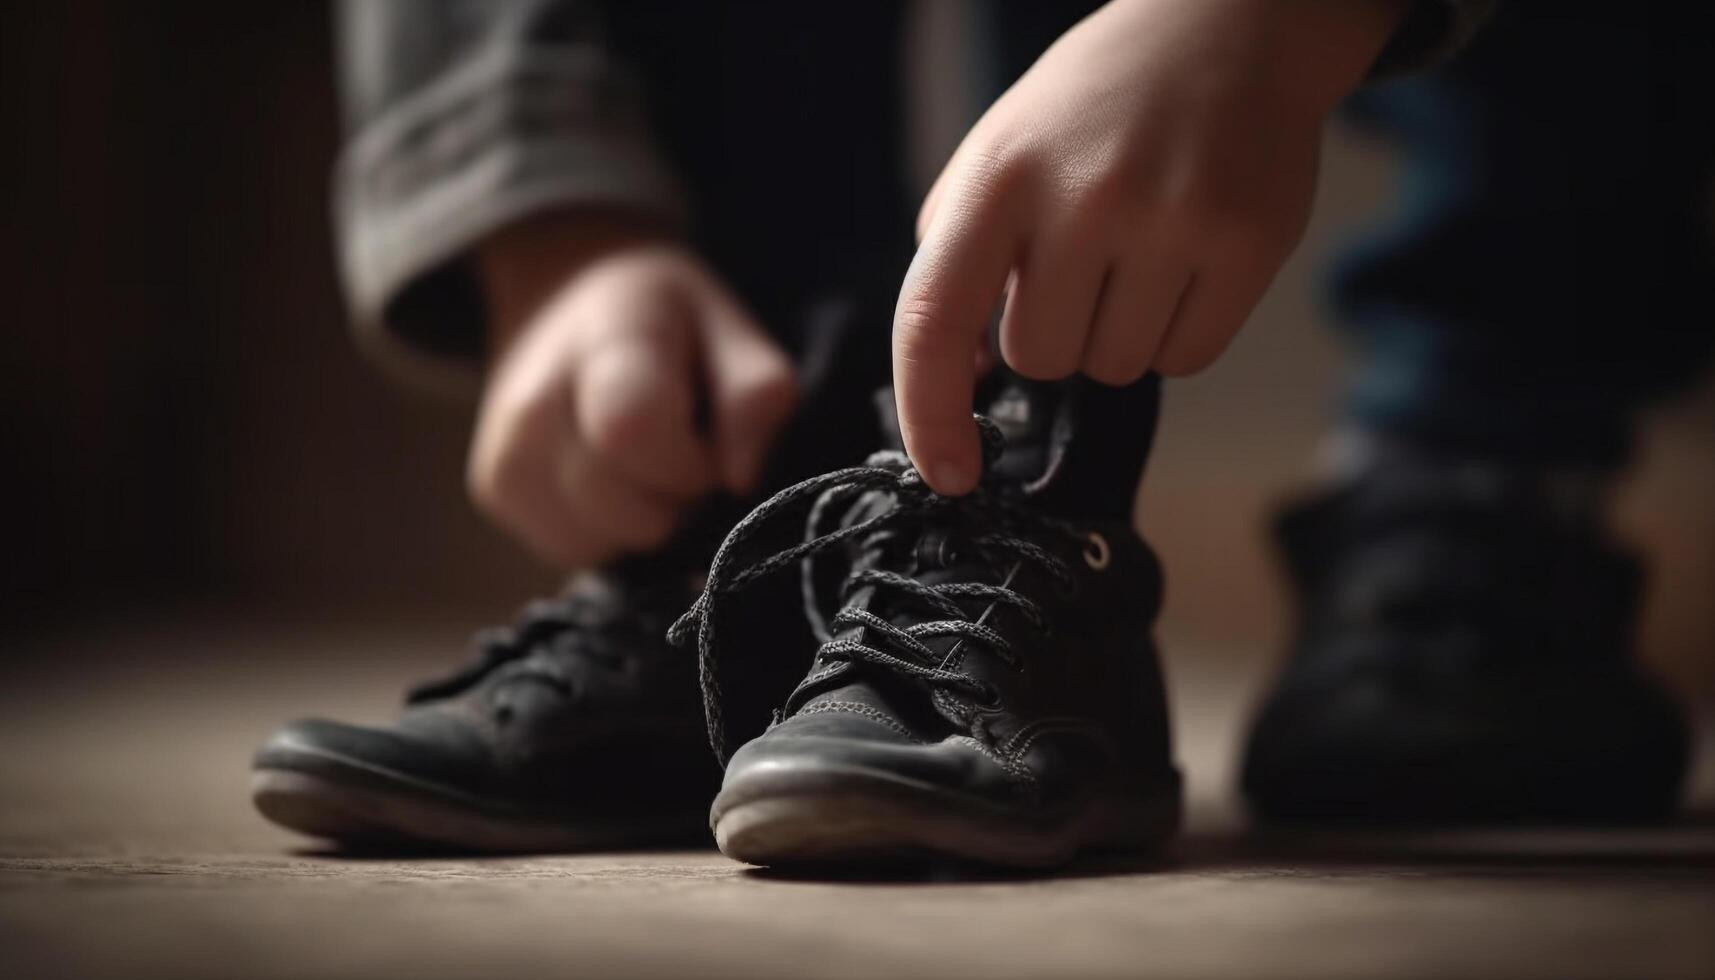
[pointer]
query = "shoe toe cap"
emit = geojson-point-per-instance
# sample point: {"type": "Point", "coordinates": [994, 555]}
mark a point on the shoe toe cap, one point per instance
{"type": "Point", "coordinates": [330, 748]}
{"type": "Point", "coordinates": [834, 748]}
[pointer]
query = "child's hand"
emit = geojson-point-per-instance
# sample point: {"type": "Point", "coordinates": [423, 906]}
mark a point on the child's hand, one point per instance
{"type": "Point", "coordinates": [587, 443]}
{"type": "Point", "coordinates": [1132, 195]}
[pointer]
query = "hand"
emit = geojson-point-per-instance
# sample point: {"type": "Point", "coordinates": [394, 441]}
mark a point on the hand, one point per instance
{"type": "Point", "coordinates": [606, 343]}
{"type": "Point", "coordinates": [1132, 195]}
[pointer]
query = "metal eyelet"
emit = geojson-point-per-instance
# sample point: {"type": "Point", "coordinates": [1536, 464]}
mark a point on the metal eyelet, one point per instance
{"type": "Point", "coordinates": [1096, 553]}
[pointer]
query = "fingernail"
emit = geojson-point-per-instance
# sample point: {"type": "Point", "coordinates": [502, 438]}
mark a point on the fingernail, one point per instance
{"type": "Point", "coordinates": [950, 478]}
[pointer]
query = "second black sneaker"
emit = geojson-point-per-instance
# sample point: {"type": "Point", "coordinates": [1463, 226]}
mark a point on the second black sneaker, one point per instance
{"type": "Point", "coordinates": [577, 727]}
{"type": "Point", "coordinates": [986, 688]}
{"type": "Point", "coordinates": [1462, 657]}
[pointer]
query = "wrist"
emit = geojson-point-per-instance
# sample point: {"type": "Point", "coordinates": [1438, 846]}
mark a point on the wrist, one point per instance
{"type": "Point", "coordinates": [1327, 47]}
{"type": "Point", "coordinates": [525, 263]}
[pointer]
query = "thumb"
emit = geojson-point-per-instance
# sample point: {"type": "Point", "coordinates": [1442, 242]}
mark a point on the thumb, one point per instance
{"type": "Point", "coordinates": [752, 390]}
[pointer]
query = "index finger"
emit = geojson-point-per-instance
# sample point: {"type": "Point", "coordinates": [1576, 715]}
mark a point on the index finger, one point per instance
{"type": "Point", "coordinates": [950, 291]}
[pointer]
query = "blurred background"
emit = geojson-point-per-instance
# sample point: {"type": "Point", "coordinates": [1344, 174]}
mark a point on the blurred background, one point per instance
{"type": "Point", "coordinates": [189, 431]}
{"type": "Point", "coordinates": [217, 516]}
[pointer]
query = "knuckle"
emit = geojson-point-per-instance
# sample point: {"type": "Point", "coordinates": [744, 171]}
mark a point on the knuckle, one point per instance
{"type": "Point", "coordinates": [1037, 353]}
{"type": "Point", "coordinates": [994, 164]}
{"type": "Point", "coordinates": [1038, 364]}
{"type": "Point", "coordinates": [1114, 194]}
{"type": "Point", "coordinates": [1036, 370]}
{"type": "Point", "coordinates": [622, 420]}
{"type": "Point", "coordinates": [922, 327]}
{"type": "Point", "coordinates": [987, 174]}
{"type": "Point", "coordinates": [1110, 371]}
{"type": "Point", "coordinates": [615, 432]}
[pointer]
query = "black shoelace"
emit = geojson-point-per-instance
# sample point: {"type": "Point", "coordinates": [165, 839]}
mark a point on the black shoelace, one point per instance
{"type": "Point", "coordinates": [568, 625]}
{"type": "Point", "coordinates": [607, 618]}
{"type": "Point", "coordinates": [993, 523]}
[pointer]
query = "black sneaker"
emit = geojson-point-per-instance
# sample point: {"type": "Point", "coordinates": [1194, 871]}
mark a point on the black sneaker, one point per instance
{"type": "Point", "coordinates": [986, 690]}
{"type": "Point", "coordinates": [1461, 657]}
{"type": "Point", "coordinates": [578, 727]}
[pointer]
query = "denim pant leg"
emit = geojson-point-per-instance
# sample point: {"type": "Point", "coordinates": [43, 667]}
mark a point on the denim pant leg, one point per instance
{"type": "Point", "coordinates": [1549, 268]}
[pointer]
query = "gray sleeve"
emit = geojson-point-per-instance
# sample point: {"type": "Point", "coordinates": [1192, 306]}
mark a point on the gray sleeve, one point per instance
{"type": "Point", "coordinates": [1433, 31]}
{"type": "Point", "coordinates": [463, 116]}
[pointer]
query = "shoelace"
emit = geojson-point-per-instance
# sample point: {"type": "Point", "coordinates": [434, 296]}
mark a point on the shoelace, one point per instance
{"type": "Point", "coordinates": [602, 619]}
{"type": "Point", "coordinates": [992, 523]}
{"type": "Point", "coordinates": [573, 625]}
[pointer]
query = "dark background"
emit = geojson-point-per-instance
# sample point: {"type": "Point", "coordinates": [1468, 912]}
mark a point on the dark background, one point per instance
{"type": "Point", "coordinates": [184, 415]}
{"type": "Point", "coordinates": [215, 516]}
{"type": "Point", "coordinates": [187, 429]}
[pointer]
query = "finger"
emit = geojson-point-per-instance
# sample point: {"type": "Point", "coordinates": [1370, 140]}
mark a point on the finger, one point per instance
{"type": "Point", "coordinates": [634, 399]}
{"type": "Point", "coordinates": [953, 285]}
{"type": "Point", "coordinates": [1217, 301]}
{"type": "Point", "coordinates": [752, 390]}
{"type": "Point", "coordinates": [986, 357]}
{"type": "Point", "coordinates": [538, 518]}
{"type": "Point", "coordinates": [1046, 323]}
{"type": "Point", "coordinates": [518, 491]}
{"type": "Point", "coordinates": [1137, 305]}
{"type": "Point", "coordinates": [598, 500]}
{"type": "Point", "coordinates": [931, 203]}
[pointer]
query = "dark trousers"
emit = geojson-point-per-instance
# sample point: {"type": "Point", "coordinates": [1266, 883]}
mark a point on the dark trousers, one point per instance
{"type": "Point", "coordinates": [1548, 269]}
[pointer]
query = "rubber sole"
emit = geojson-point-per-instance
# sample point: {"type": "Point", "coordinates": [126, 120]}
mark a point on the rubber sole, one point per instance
{"type": "Point", "coordinates": [362, 806]}
{"type": "Point", "coordinates": [831, 817]}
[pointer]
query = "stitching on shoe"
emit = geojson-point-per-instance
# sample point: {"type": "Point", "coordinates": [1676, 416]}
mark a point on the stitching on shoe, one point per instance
{"type": "Point", "coordinates": [1021, 741]}
{"type": "Point", "coordinates": [1012, 767]}
{"type": "Point", "coordinates": [823, 674]}
{"type": "Point", "coordinates": [863, 710]}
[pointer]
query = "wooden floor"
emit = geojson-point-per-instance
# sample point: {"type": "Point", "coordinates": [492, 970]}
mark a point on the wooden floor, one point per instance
{"type": "Point", "coordinates": [127, 848]}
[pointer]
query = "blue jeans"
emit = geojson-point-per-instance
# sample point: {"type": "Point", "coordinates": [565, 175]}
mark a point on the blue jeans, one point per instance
{"type": "Point", "coordinates": [1549, 269]}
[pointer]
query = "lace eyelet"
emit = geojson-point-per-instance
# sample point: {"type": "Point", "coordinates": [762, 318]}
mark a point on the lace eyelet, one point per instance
{"type": "Point", "coordinates": [1097, 554]}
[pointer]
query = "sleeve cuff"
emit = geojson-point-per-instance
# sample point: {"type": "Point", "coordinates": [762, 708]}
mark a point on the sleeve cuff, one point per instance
{"type": "Point", "coordinates": [508, 134]}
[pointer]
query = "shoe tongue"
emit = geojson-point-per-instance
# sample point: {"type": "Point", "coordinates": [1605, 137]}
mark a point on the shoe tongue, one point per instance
{"type": "Point", "coordinates": [1076, 449]}
{"type": "Point", "coordinates": [1031, 422]}
{"type": "Point", "coordinates": [1037, 430]}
